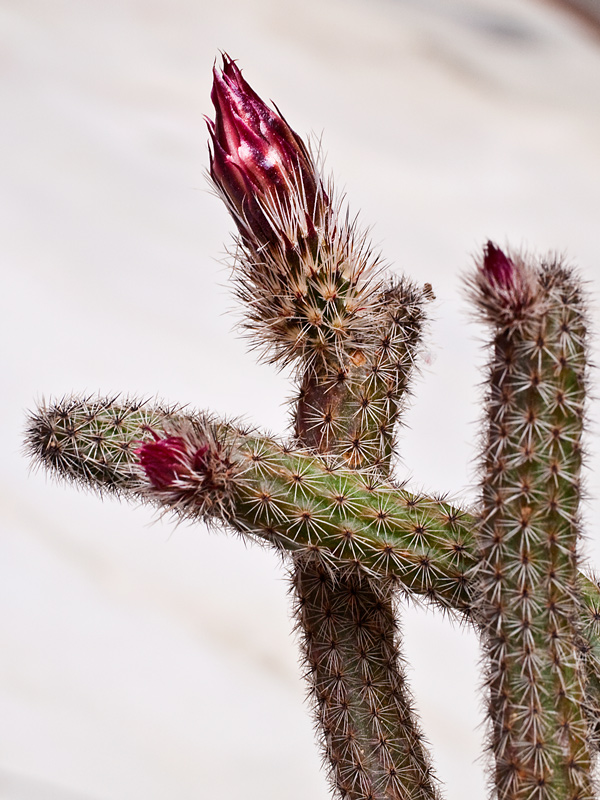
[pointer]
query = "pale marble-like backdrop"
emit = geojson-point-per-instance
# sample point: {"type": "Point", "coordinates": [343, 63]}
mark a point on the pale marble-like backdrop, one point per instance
{"type": "Point", "coordinates": [139, 661]}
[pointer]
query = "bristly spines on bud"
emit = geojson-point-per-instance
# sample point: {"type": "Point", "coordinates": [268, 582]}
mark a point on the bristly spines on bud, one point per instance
{"type": "Point", "coordinates": [174, 460]}
{"type": "Point", "coordinates": [305, 271]}
{"type": "Point", "coordinates": [528, 581]}
{"type": "Point", "coordinates": [314, 307]}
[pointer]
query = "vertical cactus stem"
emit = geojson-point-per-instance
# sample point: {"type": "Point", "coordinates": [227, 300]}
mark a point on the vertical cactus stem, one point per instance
{"type": "Point", "coordinates": [349, 631]}
{"type": "Point", "coordinates": [309, 283]}
{"type": "Point", "coordinates": [347, 621]}
{"type": "Point", "coordinates": [528, 537]}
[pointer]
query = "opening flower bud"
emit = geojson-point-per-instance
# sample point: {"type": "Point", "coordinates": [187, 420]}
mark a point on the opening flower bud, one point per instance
{"type": "Point", "coordinates": [168, 460]}
{"type": "Point", "coordinates": [498, 266]}
{"type": "Point", "coordinates": [262, 167]}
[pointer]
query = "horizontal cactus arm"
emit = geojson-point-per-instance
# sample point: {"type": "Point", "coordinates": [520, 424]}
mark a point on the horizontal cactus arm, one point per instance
{"type": "Point", "coordinates": [253, 483]}
{"type": "Point", "coordinates": [202, 468]}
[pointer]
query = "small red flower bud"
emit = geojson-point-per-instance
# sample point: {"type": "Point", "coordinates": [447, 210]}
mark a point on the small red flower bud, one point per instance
{"type": "Point", "coordinates": [200, 461]}
{"type": "Point", "coordinates": [164, 460]}
{"type": "Point", "coordinates": [498, 267]}
{"type": "Point", "coordinates": [167, 460]}
{"type": "Point", "coordinates": [262, 167]}
{"type": "Point", "coordinates": [505, 288]}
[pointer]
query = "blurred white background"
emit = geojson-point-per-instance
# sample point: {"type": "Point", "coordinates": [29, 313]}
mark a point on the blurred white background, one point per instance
{"type": "Point", "coordinates": [142, 661]}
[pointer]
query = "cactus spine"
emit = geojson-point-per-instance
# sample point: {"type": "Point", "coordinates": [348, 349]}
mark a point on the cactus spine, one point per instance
{"type": "Point", "coordinates": [529, 534]}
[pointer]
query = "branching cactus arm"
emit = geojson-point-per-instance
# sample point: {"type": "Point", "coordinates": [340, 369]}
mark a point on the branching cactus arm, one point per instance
{"type": "Point", "coordinates": [200, 468]}
{"type": "Point", "coordinates": [529, 591]}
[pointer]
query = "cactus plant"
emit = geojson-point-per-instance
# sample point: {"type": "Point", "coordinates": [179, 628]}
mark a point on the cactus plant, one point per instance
{"type": "Point", "coordinates": [355, 541]}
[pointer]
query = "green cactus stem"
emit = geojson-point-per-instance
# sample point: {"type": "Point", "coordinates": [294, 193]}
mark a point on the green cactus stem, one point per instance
{"type": "Point", "coordinates": [202, 469]}
{"type": "Point", "coordinates": [355, 519]}
{"type": "Point", "coordinates": [347, 622]}
{"type": "Point", "coordinates": [353, 411]}
{"type": "Point", "coordinates": [350, 635]}
{"type": "Point", "coordinates": [530, 601]}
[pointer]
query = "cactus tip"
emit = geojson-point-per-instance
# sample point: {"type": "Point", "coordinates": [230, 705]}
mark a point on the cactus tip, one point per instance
{"type": "Point", "coordinates": [504, 288]}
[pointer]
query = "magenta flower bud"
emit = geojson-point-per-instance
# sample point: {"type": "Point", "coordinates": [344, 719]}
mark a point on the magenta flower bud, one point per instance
{"type": "Point", "coordinates": [168, 460]}
{"type": "Point", "coordinates": [505, 288]}
{"type": "Point", "coordinates": [498, 267]}
{"type": "Point", "coordinates": [262, 167]}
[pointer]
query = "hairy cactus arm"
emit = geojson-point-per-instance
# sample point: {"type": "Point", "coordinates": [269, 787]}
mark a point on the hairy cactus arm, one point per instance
{"type": "Point", "coordinates": [427, 543]}
{"type": "Point", "coordinates": [360, 520]}
{"type": "Point", "coordinates": [528, 589]}
{"type": "Point", "coordinates": [200, 468]}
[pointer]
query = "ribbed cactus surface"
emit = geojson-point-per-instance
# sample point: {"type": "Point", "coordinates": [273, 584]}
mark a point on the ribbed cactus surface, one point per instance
{"type": "Point", "coordinates": [352, 410]}
{"type": "Point", "coordinates": [349, 630]}
{"type": "Point", "coordinates": [200, 468]}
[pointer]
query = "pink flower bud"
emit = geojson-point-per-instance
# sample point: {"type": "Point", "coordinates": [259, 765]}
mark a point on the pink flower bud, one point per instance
{"type": "Point", "coordinates": [262, 167]}
{"type": "Point", "coordinates": [498, 267]}
{"type": "Point", "coordinates": [168, 460]}
{"type": "Point", "coordinates": [505, 288]}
